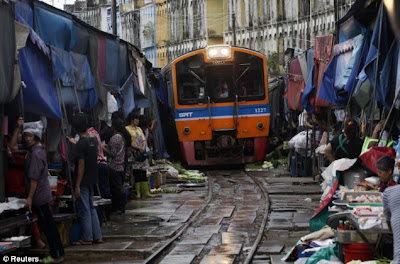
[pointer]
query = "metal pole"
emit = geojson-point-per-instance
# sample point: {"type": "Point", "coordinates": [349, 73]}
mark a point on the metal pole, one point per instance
{"type": "Point", "coordinates": [114, 16]}
{"type": "Point", "coordinates": [234, 27]}
{"type": "Point", "coordinates": [372, 112]}
{"type": "Point", "coordinates": [63, 130]}
{"type": "Point", "coordinates": [2, 156]}
{"type": "Point", "coordinates": [389, 114]}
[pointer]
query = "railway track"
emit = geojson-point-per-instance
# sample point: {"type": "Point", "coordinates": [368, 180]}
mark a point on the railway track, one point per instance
{"type": "Point", "coordinates": [238, 217]}
{"type": "Point", "coordinates": [227, 228]}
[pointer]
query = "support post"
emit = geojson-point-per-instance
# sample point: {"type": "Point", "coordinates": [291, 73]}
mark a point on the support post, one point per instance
{"type": "Point", "coordinates": [234, 28]}
{"type": "Point", "coordinates": [114, 16]}
{"type": "Point", "coordinates": [3, 149]}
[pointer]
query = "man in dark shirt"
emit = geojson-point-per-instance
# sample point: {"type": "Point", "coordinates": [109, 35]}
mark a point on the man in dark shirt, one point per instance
{"type": "Point", "coordinates": [86, 179]}
{"type": "Point", "coordinates": [38, 188]}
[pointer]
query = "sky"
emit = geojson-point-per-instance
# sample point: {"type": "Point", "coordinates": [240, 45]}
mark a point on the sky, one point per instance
{"type": "Point", "coordinates": [58, 3]}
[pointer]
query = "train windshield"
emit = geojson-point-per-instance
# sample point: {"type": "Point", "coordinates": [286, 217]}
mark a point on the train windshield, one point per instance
{"type": "Point", "coordinates": [190, 79]}
{"type": "Point", "coordinates": [221, 81]}
{"type": "Point", "coordinates": [249, 77]}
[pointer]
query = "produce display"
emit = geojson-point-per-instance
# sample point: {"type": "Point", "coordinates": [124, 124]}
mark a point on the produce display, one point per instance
{"type": "Point", "coordinates": [365, 198]}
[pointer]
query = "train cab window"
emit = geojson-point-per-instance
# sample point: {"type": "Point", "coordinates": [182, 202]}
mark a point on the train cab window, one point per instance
{"type": "Point", "coordinates": [190, 80]}
{"type": "Point", "coordinates": [249, 77]}
{"type": "Point", "coordinates": [220, 84]}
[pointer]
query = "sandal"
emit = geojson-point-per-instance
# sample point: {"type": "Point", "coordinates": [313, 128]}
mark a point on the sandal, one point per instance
{"type": "Point", "coordinates": [81, 242]}
{"type": "Point", "coordinates": [98, 241]}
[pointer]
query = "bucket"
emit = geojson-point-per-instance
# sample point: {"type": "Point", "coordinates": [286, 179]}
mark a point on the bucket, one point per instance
{"type": "Point", "coordinates": [359, 251]}
{"type": "Point", "coordinates": [60, 188]}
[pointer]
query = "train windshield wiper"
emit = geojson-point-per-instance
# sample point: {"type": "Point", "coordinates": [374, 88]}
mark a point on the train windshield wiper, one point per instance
{"type": "Point", "coordinates": [241, 75]}
{"type": "Point", "coordinates": [196, 76]}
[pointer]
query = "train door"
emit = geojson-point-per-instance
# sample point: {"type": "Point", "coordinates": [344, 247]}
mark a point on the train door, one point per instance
{"type": "Point", "coordinates": [221, 94]}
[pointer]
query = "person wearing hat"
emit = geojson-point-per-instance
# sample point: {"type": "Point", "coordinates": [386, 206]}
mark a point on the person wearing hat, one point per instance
{"type": "Point", "coordinates": [38, 188]}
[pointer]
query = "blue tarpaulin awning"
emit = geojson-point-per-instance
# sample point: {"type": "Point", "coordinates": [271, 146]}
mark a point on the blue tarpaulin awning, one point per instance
{"type": "Point", "coordinates": [132, 97]}
{"type": "Point", "coordinates": [54, 26]}
{"type": "Point", "coordinates": [77, 83]}
{"type": "Point", "coordinates": [39, 95]}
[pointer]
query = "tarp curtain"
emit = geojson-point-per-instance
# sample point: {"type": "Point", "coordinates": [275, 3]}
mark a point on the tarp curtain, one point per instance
{"type": "Point", "coordinates": [39, 94]}
{"type": "Point", "coordinates": [323, 53]}
{"type": "Point", "coordinates": [388, 77]}
{"type": "Point", "coordinates": [160, 150]}
{"type": "Point", "coordinates": [7, 51]}
{"type": "Point", "coordinates": [295, 86]}
{"type": "Point", "coordinates": [82, 38]}
{"type": "Point", "coordinates": [339, 71]}
{"type": "Point", "coordinates": [74, 72]}
{"type": "Point", "coordinates": [54, 26]}
{"type": "Point", "coordinates": [21, 35]}
{"type": "Point", "coordinates": [322, 56]}
{"type": "Point", "coordinates": [131, 96]}
{"type": "Point", "coordinates": [386, 40]}
{"type": "Point", "coordinates": [112, 62]}
{"type": "Point", "coordinates": [24, 13]}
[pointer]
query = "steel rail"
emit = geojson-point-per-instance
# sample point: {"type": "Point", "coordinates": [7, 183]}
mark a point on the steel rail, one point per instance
{"type": "Point", "coordinates": [159, 251]}
{"type": "Point", "coordinates": [250, 256]}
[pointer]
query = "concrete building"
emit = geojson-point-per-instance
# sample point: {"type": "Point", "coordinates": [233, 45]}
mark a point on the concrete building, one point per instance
{"type": "Point", "coordinates": [263, 25]}
{"type": "Point", "coordinates": [97, 13]}
{"type": "Point", "coordinates": [166, 29]}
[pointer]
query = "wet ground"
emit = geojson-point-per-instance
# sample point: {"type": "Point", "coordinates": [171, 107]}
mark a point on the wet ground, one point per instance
{"type": "Point", "coordinates": [225, 226]}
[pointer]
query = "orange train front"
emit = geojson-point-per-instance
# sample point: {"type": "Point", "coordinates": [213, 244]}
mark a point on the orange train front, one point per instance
{"type": "Point", "coordinates": [218, 99]}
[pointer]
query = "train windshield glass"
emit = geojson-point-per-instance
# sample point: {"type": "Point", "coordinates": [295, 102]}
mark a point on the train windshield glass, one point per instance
{"type": "Point", "coordinates": [220, 82]}
{"type": "Point", "coordinates": [249, 77]}
{"type": "Point", "coordinates": [190, 80]}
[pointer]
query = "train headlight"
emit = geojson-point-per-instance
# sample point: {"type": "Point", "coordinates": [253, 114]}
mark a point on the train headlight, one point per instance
{"type": "Point", "coordinates": [186, 130]}
{"type": "Point", "coordinates": [260, 126]}
{"type": "Point", "coordinates": [218, 52]}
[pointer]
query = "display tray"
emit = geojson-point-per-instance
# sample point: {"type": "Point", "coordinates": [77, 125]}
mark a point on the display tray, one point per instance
{"type": "Point", "coordinates": [339, 202]}
{"type": "Point", "coordinates": [351, 197]}
{"type": "Point", "coordinates": [352, 205]}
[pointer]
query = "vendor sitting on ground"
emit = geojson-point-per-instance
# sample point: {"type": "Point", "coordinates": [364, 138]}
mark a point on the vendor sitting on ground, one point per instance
{"type": "Point", "coordinates": [347, 145]}
{"type": "Point", "coordinates": [385, 167]}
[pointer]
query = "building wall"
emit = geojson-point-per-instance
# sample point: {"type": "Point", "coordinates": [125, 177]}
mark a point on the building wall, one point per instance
{"type": "Point", "coordinates": [130, 27]}
{"type": "Point", "coordinates": [162, 33]}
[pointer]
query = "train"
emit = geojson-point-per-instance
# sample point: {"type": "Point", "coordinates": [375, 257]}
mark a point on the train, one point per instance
{"type": "Point", "coordinates": [218, 105]}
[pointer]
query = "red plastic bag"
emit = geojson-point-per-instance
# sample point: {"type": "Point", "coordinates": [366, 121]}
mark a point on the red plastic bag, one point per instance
{"type": "Point", "coordinates": [374, 154]}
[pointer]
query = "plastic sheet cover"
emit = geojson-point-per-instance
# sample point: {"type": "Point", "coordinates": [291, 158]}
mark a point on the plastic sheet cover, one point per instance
{"type": "Point", "coordinates": [74, 72]}
{"type": "Point", "coordinates": [386, 39]}
{"type": "Point", "coordinates": [132, 97]}
{"type": "Point", "coordinates": [82, 39]}
{"type": "Point", "coordinates": [24, 13]}
{"type": "Point", "coordinates": [295, 86]}
{"type": "Point", "coordinates": [339, 71]}
{"type": "Point", "coordinates": [39, 95]}
{"type": "Point", "coordinates": [54, 26]}
{"type": "Point", "coordinates": [386, 94]}
{"type": "Point", "coordinates": [7, 52]}
{"type": "Point", "coordinates": [112, 62]}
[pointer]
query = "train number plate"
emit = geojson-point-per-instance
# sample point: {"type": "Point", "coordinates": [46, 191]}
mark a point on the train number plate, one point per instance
{"type": "Point", "coordinates": [260, 110]}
